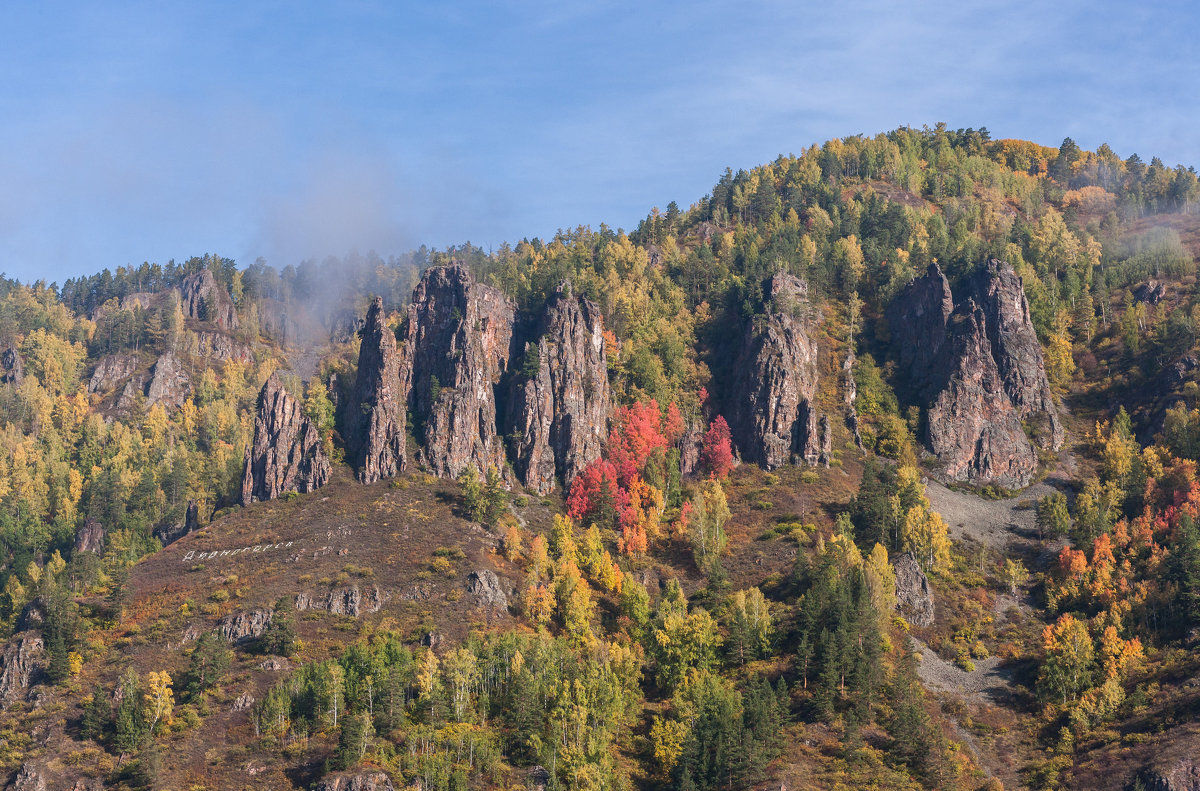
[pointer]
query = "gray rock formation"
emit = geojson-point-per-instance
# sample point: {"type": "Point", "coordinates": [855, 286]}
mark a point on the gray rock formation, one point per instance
{"type": "Point", "coordinates": [1151, 292]}
{"type": "Point", "coordinates": [977, 369]}
{"type": "Point", "coordinates": [914, 599]}
{"type": "Point", "coordinates": [349, 601]}
{"type": "Point", "coordinates": [559, 411]}
{"type": "Point", "coordinates": [374, 419]}
{"type": "Point", "coordinates": [773, 417]}
{"type": "Point", "coordinates": [21, 662]}
{"type": "Point", "coordinates": [171, 532]}
{"type": "Point", "coordinates": [850, 397]}
{"type": "Point", "coordinates": [111, 371]}
{"type": "Point", "coordinates": [364, 781]}
{"type": "Point", "coordinates": [169, 383]}
{"type": "Point", "coordinates": [221, 347]}
{"type": "Point", "coordinates": [286, 454]}
{"type": "Point", "coordinates": [241, 627]}
{"type": "Point", "coordinates": [90, 537]}
{"type": "Point", "coordinates": [203, 299]}
{"type": "Point", "coordinates": [1176, 762]}
{"type": "Point", "coordinates": [457, 344]}
{"type": "Point", "coordinates": [12, 371]}
{"type": "Point", "coordinates": [485, 586]}
{"type": "Point", "coordinates": [30, 778]}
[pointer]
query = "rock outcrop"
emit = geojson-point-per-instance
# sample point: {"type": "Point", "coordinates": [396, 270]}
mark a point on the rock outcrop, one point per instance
{"type": "Point", "coordinates": [12, 371]}
{"type": "Point", "coordinates": [221, 347]}
{"type": "Point", "coordinates": [1176, 762]}
{"type": "Point", "coordinates": [374, 422]}
{"type": "Point", "coordinates": [169, 383]}
{"type": "Point", "coordinates": [21, 662]}
{"type": "Point", "coordinates": [486, 588]}
{"type": "Point", "coordinates": [349, 601]}
{"type": "Point", "coordinates": [976, 367]}
{"type": "Point", "coordinates": [30, 778]}
{"type": "Point", "coordinates": [914, 600]}
{"type": "Point", "coordinates": [559, 411]}
{"type": "Point", "coordinates": [171, 532]}
{"type": "Point", "coordinates": [203, 299]}
{"type": "Point", "coordinates": [90, 537]}
{"type": "Point", "coordinates": [364, 781]}
{"type": "Point", "coordinates": [1151, 292]}
{"type": "Point", "coordinates": [240, 627]}
{"type": "Point", "coordinates": [773, 416]}
{"type": "Point", "coordinates": [286, 454]}
{"type": "Point", "coordinates": [111, 371]}
{"type": "Point", "coordinates": [457, 345]}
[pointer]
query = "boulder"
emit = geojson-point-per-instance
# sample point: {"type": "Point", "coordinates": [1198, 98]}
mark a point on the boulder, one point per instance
{"type": "Point", "coordinates": [349, 601]}
{"type": "Point", "coordinates": [240, 627]}
{"type": "Point", "coordinates": [976, 367]}
{"type": "Point", "coordinates": [374, 419]}
{"type": "Point", "coordinates": [458, 340]}
{"type": "Point", "coordinates": [111, 371]}
{"type": "Point", "coordinates": [204, 299]}
{"type": "Point", "coordinates": [90, 537]}
{"type": "Point", "coordinates": [914, 599]}
{"type": "Point", "coordinates": [773, 417]}
{"type": "Point", "coordinates": [171, 532]}
{"type": "Point", "coordinates": [21, 662]}
{"type": "Point", "coordinates": [363, 781]}
{"type": "Point", "coordinates": [12, 371]}
{"type": "Point", "coordinates": [485, 586]}
{"type": "Point", "coordinates": [1151, 292]}
{"type": "Point", "coordinates": [559, 409]}
{"type": "Point", "coordinates": [169, 383]}
{"type": "Point", "coordinates": [286, 454]}
{"type": "Point", "coordinates": [243, 702]}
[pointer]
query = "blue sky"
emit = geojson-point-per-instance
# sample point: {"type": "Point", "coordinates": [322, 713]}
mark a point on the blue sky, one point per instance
{"type": "Point", "coordinates": [158, 130]}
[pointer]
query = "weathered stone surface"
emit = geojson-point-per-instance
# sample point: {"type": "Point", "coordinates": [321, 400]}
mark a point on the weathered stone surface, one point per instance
{"type": "Point", "coordinates": [773, 418]}
{"type": "Point", "coordinates": [1151, 292]}
{"type": "Point", "coordinates": [169, 383]}
{"type": "Point", "coordinates": [111, 371]}
{"type": "Point", "coordinates": [30, 778]}
{"type": "Point", "coordinates": [243, 702]}
{"type": "Point", "coordinates": [559, 414]}
{"type": "Point", "coordinates": [826, 441]}
{"type": "Point", "coordinates": [204, 299]}
{"type": "Point", "coordinates": [689, 452]}
{"type": "Point", "coordinates": [242, 626]}
{"type": "Point", "coordinates": [1176, 762]}
{"type": "Point", "coordinates": [286, 454]}
{"type": "Point", "coordinates": [21, 662]}
{"type": "Point", "coordinates": [374, 422]}
{"type": "Point", "coordinates": [457, 345]}
{"type": "Point", "coordinates": [485, 586]}
{"type": "Point", "coordinates": [171, 532]}
{"type": "Point", "coordinates": [221, 347]}
{"type": "Point", "coordinates": [850, 397]}
{"type": "Point", "coordinates": [12, 371]}
{"type": "Point", "coordinates": [90, 537]}
{"type": "Point", "coordinates": [349, 600]}
{"type": "Point", "coordinates": [364, 781]}
{"type": "Point", "coordinates": [977, 368]}
{"type": "Point", "coordinates": [914, 599]}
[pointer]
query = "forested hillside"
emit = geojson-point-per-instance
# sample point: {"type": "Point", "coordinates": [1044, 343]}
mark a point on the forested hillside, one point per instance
{"type": "Point", "coordinates": [874, 467]}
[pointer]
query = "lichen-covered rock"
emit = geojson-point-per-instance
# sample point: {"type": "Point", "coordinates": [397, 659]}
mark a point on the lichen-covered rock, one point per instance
{"type": "Point", "coordinates": [169, 383]}
{"type": "Point", "coordinates": [90, 537]}
{"type": "Point", "coordinates": [374, 419]}
{"type": "Point", "coordinates": [559, 411]}
{"type": "Point", "coordinates": [457, 344]}
{"type": "Point", "coordinates": [485, 586]}
{"type": "Point", "coordinates": [203, 299]}
{"type": "Point", "coordinates": [111, 371]}
{"type": "Point", "coordinates": [221, 347]}
{"type": "Point", "coordinates": [364, 781]}
{"type": "Point", "coordinates": [773, 416]}
{"type": "Point", "coordinates": [349, 600]}
{"type": "Point", "coordinates": [240, 627]}
{"type": "Point", "coordinates": [286, 454]}
{"type": "Point", "coordinates": [12, 371]}
{"type": "Point", "coordinates": [171, 532]}
{"type": "Point", "coordinates": [21, 662]}
{"type": "Point", "coordinates": [976, 367]}
{"type": "Point", "coordinates": [914, 599]}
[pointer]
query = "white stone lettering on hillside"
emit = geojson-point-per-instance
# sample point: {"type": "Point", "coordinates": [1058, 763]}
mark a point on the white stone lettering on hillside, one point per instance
{"type": "Point", "coordinates": [222, 553]}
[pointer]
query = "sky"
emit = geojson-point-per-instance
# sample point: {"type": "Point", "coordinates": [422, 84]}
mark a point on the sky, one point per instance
{"type": "Point", "coordinates": [135, 132]}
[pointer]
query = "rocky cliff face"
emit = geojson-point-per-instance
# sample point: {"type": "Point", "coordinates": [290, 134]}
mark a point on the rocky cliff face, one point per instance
{"type": "Point", "coordinates": [21, 662]}
{"type": "Point", "coordinates": [169, 383]}
{"type": "Point", "coordinates": [365, 781]}
{"type": "Point", "coordinates": [349, 600]}
{"type": "Point", "coordinates": [914, 600]}
{"type": "Point", "coordinates": [374, 422]}
{"type": "Point", "coordinates": [241, 627]}
{"type": "Point", "coordinates": [111, 371]}
{"type": "Point", "coordinates": [457, 344]}
{"type": "Point", "coordinates": [90, 537]}
{"type": "Point", "coordinates": [560, 410]}
{"type": "Point", "coordinates": [221, 347]}
{"type": "Point", "coordinates": [203, 299]}
{"type": "Point", "coordinates": [11, 369]}
{"type": "Point", "coordinates": [977, 369]}
{"type": "Point", "coordinates": [286, 454]}
{"type": "Point", "coordinates": [773, 415]}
